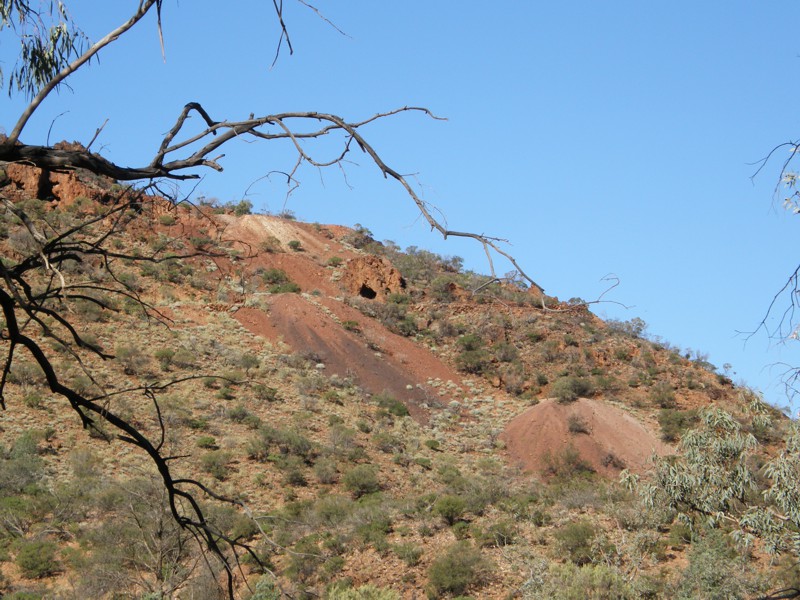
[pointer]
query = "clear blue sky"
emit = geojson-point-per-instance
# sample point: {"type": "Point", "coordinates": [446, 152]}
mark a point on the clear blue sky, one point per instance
{"type": "Point", "coordinates": [599, 138]}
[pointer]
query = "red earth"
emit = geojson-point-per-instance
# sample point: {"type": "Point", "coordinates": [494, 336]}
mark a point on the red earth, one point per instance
{"type": "Point", "coordinates": [606, 437]}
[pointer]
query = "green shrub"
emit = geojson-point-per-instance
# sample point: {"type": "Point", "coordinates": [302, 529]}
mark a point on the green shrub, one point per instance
{"type": "Point", "coordinates": [365, 592]}
{"type": "Point", "coordinates": [164, 356]}
{"type": "Point", "coordinates": [566, 464]}
{"type": "Point", "coordinates": [207, 442]}
{"type": "Point", "coordinates": [245, 207]}
{"type": "Point", "coordinates": [274, 276]}
{"type": "Point", "coordinates": [271, 244]}
{"type": "Point", "coordinates": [634, 328]}
{"type": "Point", "coordinates": [361, 480]}
{"type": "Point", "coordinates": [295, 245]}
{"type": "Point", "coordinates": [457, 569]}
{"type": "Point", "coordinates": [285, 288]}
{"type": "Point", "coordinates": [287, 442]}
{"type": "Point", "coordinates": [166, 220]}
{"type": "Point", "coordinates": [265, 393]}
{"type": "Point", "coordinates": [589, 582]}
{"type": "Point", "coordinates": [398, 298]}
{"type": "Point", "coordinates": [577, 424]}
{"type": "Point", "coordinates": [715, 571]}
{"type": "Point", "coordinates": [388, 442]}
{"type": "Point", "coordinates": [306, 559]}
{"type": "Point", "coordinates": [505, 352]}
{"type": "Point", "coordinates": [335, 261]}
{"type": "Point", "coordinates": [131, 359]}
{"type": "Point", "coordinates": [360, 237]}
{"type": "Point", "coordinates": [662, 395]}
{"type": "Point", "coordinates": [391, 404]}
{"type": "Point", "coordinates": [443, 288]}
{"type": "Point", "coordinates": [37, 559]}
{"type": "Point", "coordinates": [351, 326]}
{"type": "Point", "coordinates": [575, 540]}
{"type": "Point", "coordinates": [674, 422]}
{"type": "Point", "coordinates": [248, 361]}
{"type": "Point", "coordinates": [238, 413]}
{"type": "Point", "coordinates": [460, 530]}
{"type": "Point", "coordinates": [679, 535]}
{"type": "Point", "coordinates": [623, 354]}
{"type": "Point", "coordinates": [325, 471]}
{"type": "Point", "coordinates": [450, 508]}
{"type": "Point", "coordinates": [265, 589]}
{"type": "Point", "coordinates": [408, 553]}
{"type": "Point", "coordinates": [501, 533]}
{"type": "Point", "coordinates": [470, 342]}
{"type": "Point", "coordinates": [33, 400]}
{"type": "Point", "coordinates": [215, 463]}
{"type": "Point", "coordinates": [476, 362]}
{"type": "Point", "coordinates": [569, 389]}
{"type": "Point", "coordinates": [406, 326]}
{"type": "Point", "coordinates": [293, 471]}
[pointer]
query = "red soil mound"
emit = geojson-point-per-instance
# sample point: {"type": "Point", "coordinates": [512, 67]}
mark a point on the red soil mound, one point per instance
{"type": "Point", "coordinates": [399, 367]}
{"type": "Point", "coordinates": [606, 437]}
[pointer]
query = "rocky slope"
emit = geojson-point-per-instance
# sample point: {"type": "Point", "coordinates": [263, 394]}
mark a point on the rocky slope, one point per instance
{"type": "Point", "coordinates": [376, 416]}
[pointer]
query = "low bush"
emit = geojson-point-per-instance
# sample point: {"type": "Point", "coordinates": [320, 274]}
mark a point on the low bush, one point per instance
{"type": "Point", "coordinates": [716, 570]}
{"type": "Point", "coordinates": [37, 559]}
{"type": "Point", "coordinates": [408, 553]}
{"type": "Point", "coordinates": [164, 356]}
{"type": "Point", "coordinates": [476, 362]}
{"type": "Point", "coordinates": [575, 541]}
{"type": "Point", "coordinates": [674, 422]}
{"type": "Point", "coordinates": [285, 441]}
{"type": "Point", "coordinates": [365, 592]}
{"type": "Point", "coordinates": [271, 244]}
{"type": "Point", "coordinates": [273, 276]}
{"type": "Point", "coordinates": [433, 445]}
{"type": "Point", "coordinates": [391, 404]}
{"type": "Point", "coordinates": [215, 463]}
{"type": "Point", "coordinates": [566, 464]}
{"type": "Point", "coordinates": [361, 480]}
{"type": "Point", "coordinates": [662, 395]}
{"type": "Point", "coordinates": [470, 342]}
{"type": "Point", "coordinates": [387, 442]}
{"type": "Point", "coordinates": [569, 389]}
{"type": "Point", "coordinates": [285, 288]}
{"type": "Point", "coordinates": [501, 533]}
{"type": "Point", "coordinates": [450, 508]}
{"type": "Point", "coordinates": [598, 582]}
{"type": "Point", "coordinates": [353, 326]}
{"type": "Point", "coordinates": [131, 358]}
{"type": "Point", "coordinates": [265, 589]}
{"type": "Point", "coordinates": [461, 566]}
{"type": "Point", "coordinates": [325, 471]}
{"type": "Point", "coordinates": [577, 424]}
{"type": "Point", "coordinates": [208, 442]}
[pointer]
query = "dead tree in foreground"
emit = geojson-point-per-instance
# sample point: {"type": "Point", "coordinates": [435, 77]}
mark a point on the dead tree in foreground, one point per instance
{"type": "Point", "coordinates": [37, 287]}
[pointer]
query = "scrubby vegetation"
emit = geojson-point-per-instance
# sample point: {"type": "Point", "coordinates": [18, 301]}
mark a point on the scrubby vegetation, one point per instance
{"type": "Point", "coordinates": [360, 489]}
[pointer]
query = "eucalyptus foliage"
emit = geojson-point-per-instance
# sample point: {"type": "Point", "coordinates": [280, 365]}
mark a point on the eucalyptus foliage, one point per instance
{"type": "Point", "coordinates": [720, 478]}
{"type": "Point", "coordinates": [48, 40]}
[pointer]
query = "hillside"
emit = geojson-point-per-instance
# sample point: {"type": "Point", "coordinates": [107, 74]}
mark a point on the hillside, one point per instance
{"type": "Point", "coordinates": [384, 425]}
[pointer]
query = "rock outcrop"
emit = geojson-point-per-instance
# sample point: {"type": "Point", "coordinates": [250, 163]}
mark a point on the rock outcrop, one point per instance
{"type": "Point", "coordinates": [372, 277]}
